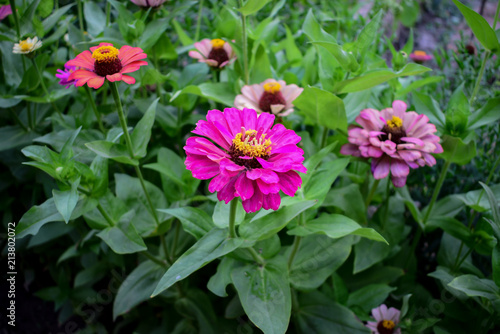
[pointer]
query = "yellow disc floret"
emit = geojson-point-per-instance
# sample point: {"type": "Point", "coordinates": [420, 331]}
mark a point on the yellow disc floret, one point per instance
{"type": "Point", "coordinates": [388, 324]}
{"type": "Point", "coordinates": [247, 143]}
{"type": "Point", "coordinates": [105, 54]}
{"type": "Point", "coordinates": [419, 53]}
{"type": "Point", "coordinates": [218, 43]}
{"type": "Point", "coordinates": [272, 87]}
{"type": "Point", "coordinates": [395, 122]}
{"type": "Point", "coordinates": [25, 45]}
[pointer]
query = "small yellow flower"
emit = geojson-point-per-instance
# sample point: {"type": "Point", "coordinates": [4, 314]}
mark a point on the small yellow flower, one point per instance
{"type": "Point", "coordinates": [27, 46]}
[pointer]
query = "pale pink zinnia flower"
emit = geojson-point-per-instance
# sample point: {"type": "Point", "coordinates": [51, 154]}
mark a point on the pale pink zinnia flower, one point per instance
{"type": "Point", "coordinates": [387, 320]}
{"type": "Point", "coordinates": [270, 96]}
{"type": "Point", "coordinates": [216, 53]}
{"type": "Point", "coordinates": [106, 62]}
{"type": "Point", "coordinates": [420, 56]}
{"type": "Point", "coordinates": [149, 3]}
{"type": "Point", "coordinates": [5, 11]}
{"type": "Point", "coordinates": [395, 139]}
{"type": "Point", "coordinates": [248, 157]}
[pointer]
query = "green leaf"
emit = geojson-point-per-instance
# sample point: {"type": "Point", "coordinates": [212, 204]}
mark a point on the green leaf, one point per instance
{"type": "Point", "coordinates": [495, 264]}
{"type": "Point", "coordinates": [457, 113]}
{"type": "Point", "coordinates": [376, 77]}
{"type": "Point", "coordinates": [220, 216]}
{"type": "Point", "coordinates": [314, 161]}
{"type": "Point", "coordinates": [221, 92]}
{"type": "Point", "coordinates": [451, 226]}
{"type": "Point", "coordinates": [154, 30]}
{"type": "Point", "coordinates": [222, 278]}
{"type": "Point", "coordinates": [67, 150]}
{"type": "Point", "coordinates": [367, 253]}
{"type": "Point", "coordinates": [109, 150]}
{"type": "Point", "coordinates": [369, 296]}
{"type": "Point", "coordinates": [194, 221]}
{"type": "Point", "coordinates": [323, 107]}
{"type": "Point", "coordinates": [369, 34]}
{"type": "Point", "coordinates": [211, 246]}
{"type": "Point", "coordinates": [260, 228]}
{"type": "Point", "coordinates": [252, 6]}
{"type": "Point", "coordinates": [323, 178]}
{"type": "Point", "coordinates": [488, 114]}
{"type": "Point", "coordinates": [260, 65]}
{"type": "Point", "coordinates": [317, 258]}
{"type": "Point", "coordinates": [345, 58]}
{"type": "Point", "coordinates": [183, 36]}
{"type": "Point", "coordinates": [314, 31]}
{"type": "Point", "coordinates": [495, 210]}
{"type": "Point", "coordinates": [123, 238]}
{"type": "Point", "coordinates": [13, 136]}
{"type": "Point", "coordinates": [142, 131]}
{"type": "Point", "coordinates": [456, 151]}
{"type": "Point", "coordinates": [401, 93]}
{"type": "Point", "coordinates": [55, 17]}
{"type": "Point", "coordinates": [137, 287]}
{"type": "Point", "coordinates": [474, 286]}
{"type": "Point", "coordinates": [349, 200]}
{"type": "Point", "coordinates": [65, 201]}
{"type": "Point", "coordinates": [264, 293]}
{"type": "Point", "coordinates": [90, 275]}
{"type": "Point", "coordinates": [480, 27]}
{"type": "Point", "coordinates": [99, 167]}
{"type": "Point", "coordinates": [27, 18]}
{"type": "Point", "coordinates": [336, 226]}
{"type": "Point", "coordinates": [95, 18]}
{"type": "Point", "coordinates": [293, 53]}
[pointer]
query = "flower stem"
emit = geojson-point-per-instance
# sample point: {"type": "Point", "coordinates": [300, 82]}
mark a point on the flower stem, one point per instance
{"type": "Point", "coordinates": [108, 13]}
{"type": "Point", "coordinates": [16, 19]}
{"type": "Point", "coordinates": [245, 45]}
{"type": "Point", "coordinates": [105, 215]}
{"type": "Point", "coordinates": [459, 263]}
{"type": "Point", "coordinates": [437, 189]}
{"type": "Point", "coordinates": [479, 77]}
{"type": "Point", "coordinates": [198, 21]}
{"type": "Point", "coordinates": [42, 83]}
{"type": "Point", "coordinates": [372, 192]}
{"type": "Point", "coordinates": [154, 259]}
{"type": "Point", "coordinates": [324, 138]}
{"type": "Point", "coordinates": [94, 108]}
{"type": "Point", "coordinates": [232, 218]}
{"type": "Point", "coordinates": [256, 256]}
{"type": "Point", "coordinates": [80, 15]}
{"type": "Point", "coordinates": [295, 248]}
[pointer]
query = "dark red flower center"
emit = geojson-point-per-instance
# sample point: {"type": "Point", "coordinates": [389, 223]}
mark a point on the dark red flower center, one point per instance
{"type": "Point", "coordinates": [393, 130]}
{"type": "Point", "coordinates": [219, 55]}
{"type": "Point", "coordinates": [107, 61]}
{"type": "Point", "coordinates": [386, 327]}
{"type": "Point", "coordinates": [247, 146]}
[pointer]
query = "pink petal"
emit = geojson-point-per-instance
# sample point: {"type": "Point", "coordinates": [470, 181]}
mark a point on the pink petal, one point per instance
{"type": "Point", "coordinates": [381, 167]}
{"type": "Point", "coordinates": [128, 79]}
{"type": "Point", "coordinates": [399, 168]}
{"type": "Point", "coordinates": [272, 201]}
{"type": "Point", "coordinates": [289, 182]}
{"type": "Point", "coordinates": [254, 204]}
{"type": "Point", "coordinates": [115, 77]}
{"type": "Point", "coordinates": [218, 183]}
{"type": "Point", "coordinates": [96, 82]}
{"type": "Point", "coordinates": [244, 187]}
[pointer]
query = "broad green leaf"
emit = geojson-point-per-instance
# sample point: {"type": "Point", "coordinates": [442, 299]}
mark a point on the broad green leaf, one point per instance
{"type": "Point", "coordinates": [264, 293]}
{"type": "Point", "coordinates": [349, 200]}
{"type": "Point", "coordinates": [222, 278]}
{"type": "Point", "coordinates": [260, 65]}
{"type": "Point", "coordinates": [336, 226]}
{"type": "Point", "coordinates": [495, 210]}
{"type": "Point", "coordinates": [27, 18]}
{"type": "Point", "coordinates": [123, 238]}
{"type": "Point", "coordinates": [154, 30]}
{"type": "Point", "coordinates": [211, 246]}
{"type": "Point", "coordinates": [370, 296]}
{"type": "Point", "coordinates": [456, 151]}
{"type": "Point", "coordinates": [109, 150]}
{"type": "Point", "coordinates": [451, 226]}
{"type": "Point", "coordinates": [314, 161]}
{"type": "Point", "coordinates": [480, 27]}
{"type": "Point", "coordinates": [314, 31]}
{"type": "Point", "coordinates": [99, 167]}
{"type": "Point", "coordinates": [54, 18]}
{"type": "Point", "coordinates": [425, 104]}
{"type": "Point", "coordinates": [65, 201]}
{"type": "Point", "coordinates": [142, 131]}
{"type": "Point", "coordinates": [317, 258]}
{"type": "Point", "coordinates": [137, 287]}
{"type": "Point", "coordinates": [323, 107]}
{"type": "Point", "coordinates": [320, 183]}
{"type": "Point", "coordinates": [474, 286]}
{"type": "Point", "coordinates": [13, 136]}
{"type": "Point", "coordinates": [488, 114]}
{"type": "Point", "coordinates": [252, 6]}
{"type": "Point", "coordinates": [183, 36]}
{"type": "Point", "coordinates": [369, 33]}
{"type": "Point", "coordinates": [195, 304]}
{"type": "Point", "coordinates": [293, 53]}
{"type": "Point", "coordinates": [344, 58]}
{"type": "Point", "coordinates": [220, 216]}
{"type": "Point", "coordinates": [194, 221]}
{"type": "Point", "coordinates": [376, 77]}
{"type": "Point", "coordinates": [410, 203]}
{"type": "Point", "coordinates": [260, 228]}
{"type": "Point", "coordinates": [457, 113]}
{"type": "Point", "coordinates": [495, 264]}
{"type": "Point", "coordinates": [368, 253]}
{"type": "Point", "coordinates": [67, 150]}
{"type": "Point", "coordinates": [90, 275]}
{"type": "Point", "coordinates": [221, 92]}
{"type": "Point", "coordinates": [401, 93]}
{"type": "Point", "coordinates": [95, 18]}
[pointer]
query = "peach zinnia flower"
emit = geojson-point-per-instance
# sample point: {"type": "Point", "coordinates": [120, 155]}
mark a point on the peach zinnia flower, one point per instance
{"type": "Point", "coordinates": [420, 56]}
{"type": "Point", "coordinates": [215, 53]}
{"type": "Point", "coordinates": [270, 96]}
{"type": "Point", "coordinates": [106, 62]}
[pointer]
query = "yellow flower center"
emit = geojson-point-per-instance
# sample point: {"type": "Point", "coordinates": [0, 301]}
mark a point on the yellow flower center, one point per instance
{"type": "Point", "coordinates": [247, 143]}
{"type": "Point", "coordinates": [25, 46]}
{"type": "Point", "coordinates": [395, 122]}
{"type": "Point", "coordinates": [218, 43]}
{"type": "Point", "coordinates": [272, 87]}
{"type": "Point", "coordinates": [105, 54]}
{"type": "Point", "coordinates": [419, 53]}
{"type": "Point", "coordinates": [388, 324]}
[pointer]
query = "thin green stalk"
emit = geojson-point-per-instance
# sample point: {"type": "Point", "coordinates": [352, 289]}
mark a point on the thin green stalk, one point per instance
{"type": "Point", "coordinates": [256, 256]}
{"type": "Point", "coordinates": [232, 218]}
{"type": "Point", "coordinates": [16, 19]}
{"type": "Point", "coordinates": [496, 15]}
{"type": "Point", "coordinates": [295, 248]}
{"type": "Point", "coordinates": [371, 193]}
{"type": "Point", "coordinates": [386, 208]}
{"type": "Point", "coordinates": [154, 259]}
{"type": "Point", "coordinates": [108, 13]}
{"type": "Point", "coordinates": [324, 138]}
{"type": "Point", "coordinates": [480, 77]}
{"type": "Point", "coordinates": [80, 15]}
{"type": "Point", "coordinates": [245, 45]}
{"type": "Point", "coordinates": [457, 265]}
{"type": "Point", "coordinates": [30, 118]}
{"type": "Point", "coordinates": [165, 248]}
{"type": "Point", "coordinates": [176, 239]}
{"type": "Point", "coordinates": [42, 83]}
{"type": "Point", "coordinates": [18, 120]}
{"type": "Point", "coordinates": [437, 189]}
{"type": "Point", "coordinates": [105, 215]}
{"type": "Point", "coordinates": [198, 21]}
{"type": "Point", "coordinates": [94, 108]}
{"type": "Point", "coordinates": [143, 185]}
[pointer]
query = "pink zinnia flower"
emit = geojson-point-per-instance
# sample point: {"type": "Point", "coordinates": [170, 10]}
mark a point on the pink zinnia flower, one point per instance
{"type": "Point", "coordinates": [106, 62]}
{"type": "Point", "coordinates": [246, 157]}
{"type": "Point", "coordinates": [216, 53]}
{"type": "Point", "coordinates": [5, 11]}
{"type": "Point", "coordinates": [270, 96]}
{"type": "Point", "coordinates": [395, 139]}
{"type": "Point", "coordinates": [387, 320]}
{"type": "Point", "coordinates": [149, 3]}
{"type": "Point", "coordinates": [64, 76]}
{"type": "Point", "coordinates": [420, 56]}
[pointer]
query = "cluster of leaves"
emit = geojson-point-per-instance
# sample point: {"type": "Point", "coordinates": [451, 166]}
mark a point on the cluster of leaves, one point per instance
{"type": "Point", "coordinates": [342, 246]}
